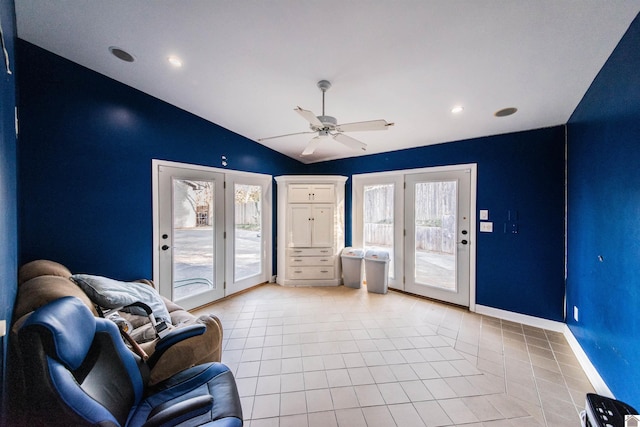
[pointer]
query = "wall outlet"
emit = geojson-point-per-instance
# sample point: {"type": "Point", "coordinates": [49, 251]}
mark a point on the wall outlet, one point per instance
{"type": "Point", "coordinates": [3, 328]}
{"type": "Point", "coordinates": [575, 313]}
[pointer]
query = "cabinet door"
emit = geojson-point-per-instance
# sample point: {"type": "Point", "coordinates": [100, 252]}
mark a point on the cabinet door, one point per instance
{"type": "Point", "coordinates": [300, 193]}
{"type": "Point", "coordinates": [322, 223]}
{"type": "Point", "coordinates": [311, 193]}
{"type": "Point", "coordinates": [323, 193]}
{"type": "Point", "coordinates": [299, 227]}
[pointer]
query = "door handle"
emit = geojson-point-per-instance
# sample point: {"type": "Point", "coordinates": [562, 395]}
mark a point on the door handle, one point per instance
{"type": "Point", "coordinates": [165, 247]}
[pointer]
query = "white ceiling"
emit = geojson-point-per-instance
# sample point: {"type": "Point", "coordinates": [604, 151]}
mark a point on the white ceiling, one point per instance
{"type": "Point", "coordinates": [248, 64]}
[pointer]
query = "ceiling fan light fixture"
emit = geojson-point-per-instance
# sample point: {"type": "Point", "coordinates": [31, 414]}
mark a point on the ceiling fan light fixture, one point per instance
{"type": "Point", "coordinates": [121, 54]}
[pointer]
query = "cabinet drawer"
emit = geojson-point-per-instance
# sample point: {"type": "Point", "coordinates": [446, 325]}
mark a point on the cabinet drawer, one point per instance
{"type": "Point", "coordinates": [310, 273]}
{"type": "Point", "coordinates": [297, 252]}
{"type": "Point", "coordinates": [311, 260]}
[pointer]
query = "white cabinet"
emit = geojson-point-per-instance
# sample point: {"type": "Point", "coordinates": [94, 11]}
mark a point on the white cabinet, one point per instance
{"type": "Point", "coordinates": [310, 225]}
{"type": "Point", "coordinates": [310, 230]}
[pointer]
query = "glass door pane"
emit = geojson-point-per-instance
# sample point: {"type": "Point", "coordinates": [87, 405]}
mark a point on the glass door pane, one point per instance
{"type": "Point", "coordinates": [248, 231]}
{"type": "Point", "coordinates": [378, 210]}
{"type": "Point", "coordinates": [193, 237]}
{"type": "Point", "coordinates": [435, 207]}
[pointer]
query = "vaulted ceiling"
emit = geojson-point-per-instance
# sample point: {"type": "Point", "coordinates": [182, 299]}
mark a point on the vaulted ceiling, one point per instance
{"type": "Point", "coordinates": [247, 64]}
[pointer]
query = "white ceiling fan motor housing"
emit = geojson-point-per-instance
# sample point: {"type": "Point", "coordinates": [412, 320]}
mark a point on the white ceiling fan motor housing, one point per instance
{"type": "Point", "coordinates": [328, 123]}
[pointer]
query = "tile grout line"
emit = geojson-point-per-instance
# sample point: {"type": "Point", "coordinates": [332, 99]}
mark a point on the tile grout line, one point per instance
{"type": "Point", "coordinates": [535, 379]}
{"type": "Point", "coordinates": [564, 378]}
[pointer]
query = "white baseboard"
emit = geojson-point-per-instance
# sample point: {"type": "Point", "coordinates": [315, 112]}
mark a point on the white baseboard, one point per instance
{"type": "Point", "coordinates": [525, 319]}
{"type": "Point", "coordinates": [590, 371]}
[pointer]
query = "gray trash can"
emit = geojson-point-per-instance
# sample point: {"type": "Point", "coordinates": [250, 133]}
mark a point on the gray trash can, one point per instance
{"type": "Point", "coordinates": [376, 264]}
{"type": "Point", "coordinates": [352, 267]}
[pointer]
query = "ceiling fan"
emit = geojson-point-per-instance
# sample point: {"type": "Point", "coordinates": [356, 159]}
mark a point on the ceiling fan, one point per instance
{"type": "Point", "coordinates": [327, 126]}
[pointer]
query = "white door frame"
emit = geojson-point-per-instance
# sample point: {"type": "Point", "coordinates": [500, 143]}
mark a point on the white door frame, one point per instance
{"type": "Point", "coordinates": [267, 212]}
{"type": "Point", "coordinates": [359, 180]}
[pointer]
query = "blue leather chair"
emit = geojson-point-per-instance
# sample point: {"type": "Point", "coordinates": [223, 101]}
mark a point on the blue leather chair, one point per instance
{"type": "Point", "coordinates": [78, 371]}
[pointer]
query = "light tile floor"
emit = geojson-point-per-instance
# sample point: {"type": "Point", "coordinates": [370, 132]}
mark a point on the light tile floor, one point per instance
{"type": "Point", "coordinates": [323, 357]}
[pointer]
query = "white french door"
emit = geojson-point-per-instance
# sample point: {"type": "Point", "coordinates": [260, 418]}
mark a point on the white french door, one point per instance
{"type": "Point", "coordinates": [212, 232]}
{"type": "Point", "coordinates": [438, 235]}
{"type": "Point", "coordinates": [191, 230]}
{"type": "Point", "coordinates": [425, 219]}
{"type": "Point", "coordinates": [378, 219]}
{"type": "Point", "coordinates": [248, 231]}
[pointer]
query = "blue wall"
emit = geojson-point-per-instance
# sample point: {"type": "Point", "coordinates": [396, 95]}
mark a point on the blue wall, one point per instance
{"type": "Point", "coordinates": [8, 191]}
{"type": "Point", "coordinates": [604, 220]}
{"type": "Point", "coordinates": [86, 181]}
{"type": "Point", "coordinates": [85, 164]}
{"type": "Point", "coordinates": [522, 172]}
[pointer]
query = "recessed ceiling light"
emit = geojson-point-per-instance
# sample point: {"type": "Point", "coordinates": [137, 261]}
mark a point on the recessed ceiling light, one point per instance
{"type": "Point", "coordinates": [175, 61]}
{"type": "Point", "coordinates": [121, 54]}
{"type": "Point", "coordinates": [457, 109]}
{"type": "Point", "coordinates": [505, 112]}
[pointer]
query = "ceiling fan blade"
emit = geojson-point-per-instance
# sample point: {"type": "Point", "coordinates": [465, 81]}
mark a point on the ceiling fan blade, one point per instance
{"type": "Point", "coordinates": [308, 116]}
{"type": "Point", "coordinates": [311, 146]}
{"type": "Point", "coordinates": [350, 142]}
{"type": "Point", "coordinates": [282, 136]}
{"type": "Point", "coordinates": [363, 126]}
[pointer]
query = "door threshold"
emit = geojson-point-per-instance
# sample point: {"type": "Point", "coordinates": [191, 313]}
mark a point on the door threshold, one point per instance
{"type": "Point", "coordinates": [450, 304]}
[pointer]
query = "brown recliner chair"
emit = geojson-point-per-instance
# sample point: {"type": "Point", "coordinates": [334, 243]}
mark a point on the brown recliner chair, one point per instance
{"type": "Point", "coordinates": [42, 281]}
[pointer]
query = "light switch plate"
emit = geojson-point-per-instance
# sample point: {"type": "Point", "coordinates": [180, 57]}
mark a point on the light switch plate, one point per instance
{"type": "Point", "coordinates": [486, 227]}
{"type": "Point", "coordinates": [3, 328]}
{"type": "Point", "coordinates": [484, 214]}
